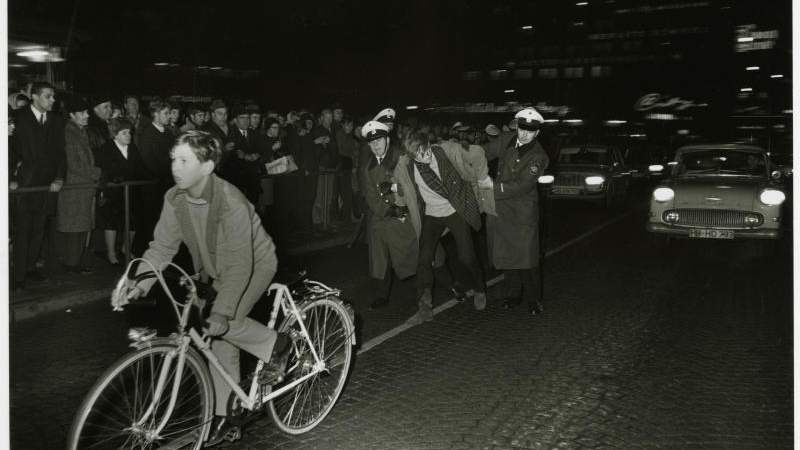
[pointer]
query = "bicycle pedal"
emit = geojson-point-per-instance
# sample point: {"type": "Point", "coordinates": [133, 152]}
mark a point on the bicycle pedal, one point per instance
{"type": "Point", "coordinates": [234, 434]}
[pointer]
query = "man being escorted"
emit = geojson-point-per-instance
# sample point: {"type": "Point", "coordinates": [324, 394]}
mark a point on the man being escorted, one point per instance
{"type": "Point", "coordinates": [431, 179]}
{"type": "Point", "coordinates": [514, 233]}
{"type": "Point", "coordinates": [229, 246]}
{"type": "Point", "coordinates": [392, 240]}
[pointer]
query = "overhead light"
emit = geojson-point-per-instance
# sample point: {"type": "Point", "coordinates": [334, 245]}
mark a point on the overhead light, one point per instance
{"type": "Point", "coordinates": [777, 75]}
{"type": "Point", "coordinates": [34, 53]}
{"type": "Point", "coordinates": [202, 67]}
{"type": "Point", "coordinates": [787, 111]}
{"type": "Point", "coordinates": [744, 39]}
{"type": "Point", "coordinates": [161, 64]}
{"type": "Point", "coordinates": [752, 68]}
{"type": "Point", "coordinates": [616, 122]}
{"type": "Point", "coordinates": [215, 68]}
{"type": "Point", "coordinates": [574, 121]}
{"type": "Point", "coordinates": [581, 3]}
{"type": "Point", "coordinates": [527, 27]}
{"type": "Point", "coordinates": [509, 91]}
{"type": "Point", "coordinates": [550, 120]}
{"type": "Point", "coordinates": [410, 107]}
{"type": "Point", "coordinates": [17, 65]}
{"type": "Point", "coordinates": [746, 90]}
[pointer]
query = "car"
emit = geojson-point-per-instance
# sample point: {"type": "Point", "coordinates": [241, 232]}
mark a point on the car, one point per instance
{"type": "Point", "coordinates": [718, 191]}
{"type": "Point", "coordinates": [593, 172]}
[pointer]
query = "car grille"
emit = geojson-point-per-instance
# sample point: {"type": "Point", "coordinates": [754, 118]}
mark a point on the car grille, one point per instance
{"type": "Point", "coordinates": [569, 179]}
{"type": "Point", "coordinates": [723, 218]}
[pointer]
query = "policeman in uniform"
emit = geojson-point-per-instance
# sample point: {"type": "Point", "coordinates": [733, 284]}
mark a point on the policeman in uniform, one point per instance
{"type": "Point", "coordinates": [514, 233]}
{"type": "Point", "coordinates": [392, 239]}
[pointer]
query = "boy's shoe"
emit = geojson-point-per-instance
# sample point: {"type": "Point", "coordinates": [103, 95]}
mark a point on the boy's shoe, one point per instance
{"type": "Point", "coordinates": [479, 299]}
{"type": "Point", "coordinates": [222, 430]}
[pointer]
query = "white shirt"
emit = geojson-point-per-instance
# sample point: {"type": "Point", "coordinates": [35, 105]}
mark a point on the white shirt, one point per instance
{"type": "Point", "coordinates": [122, 149]}
{"type": "Point", "coordinates": [435, 204]}
{"type": "Point", "coordinates": [158, 127]}
{"type": "Point", "coordinates": [39, 114]}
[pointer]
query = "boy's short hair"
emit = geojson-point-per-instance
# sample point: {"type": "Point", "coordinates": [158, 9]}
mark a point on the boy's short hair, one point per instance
{"type": "Point", "coordinates": [204, 145]}
{"type": "Point", "coordinates": [157, 105]}
{"type": "Point", "coordinates": [39, 86]}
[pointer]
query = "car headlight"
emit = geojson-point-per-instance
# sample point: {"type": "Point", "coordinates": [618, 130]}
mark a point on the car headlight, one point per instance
{"type": "Point", "coordinates": [546, 179]}
{"type": "Point", "coordinates": [772, 197]}
{"type": "Point", "coordinates": [655, 168]}
{"type": "Point", "coordinates": [672, 216]}
{"type": "Point", "coordinates": [594, 180]}
{"type": "Point", "coordinates": [663, 194]}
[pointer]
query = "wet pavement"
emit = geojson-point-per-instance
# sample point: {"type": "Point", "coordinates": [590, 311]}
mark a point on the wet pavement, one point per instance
{"type": "Point", "coordinates": [637, 348]}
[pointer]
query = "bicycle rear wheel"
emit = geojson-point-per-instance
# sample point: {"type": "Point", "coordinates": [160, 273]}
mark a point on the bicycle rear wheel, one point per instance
{"type": "Point", "coordinates": [305, 406]}
{"type": "Point", "coordinates": [107, 417]}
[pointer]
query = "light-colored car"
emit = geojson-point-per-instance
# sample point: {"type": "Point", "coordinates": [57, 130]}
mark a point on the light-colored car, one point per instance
{"type": "Point", "coordinates": [590, 172]}
{"type": "Point", "coordinates": [724, 191]}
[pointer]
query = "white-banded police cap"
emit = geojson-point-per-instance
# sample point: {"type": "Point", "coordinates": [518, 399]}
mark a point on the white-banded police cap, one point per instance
{"type": "Point", "coordinates": [529, 119]}
{"type": "Point", "coordinates": [385, 116]}
{"type": "Point", "coordinates": [374, 130]}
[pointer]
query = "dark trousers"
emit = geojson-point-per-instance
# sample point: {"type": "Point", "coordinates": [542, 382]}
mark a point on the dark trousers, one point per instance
{"type": "Point", "coordinates": [73, 245]}
{"type": "Point", "coordinates": [432, 228]}
{"type": "Point", "coordinates": [29, 225]}
{"type": "Point", "coordinates": [524, 283]}
{"type": "Point", "coordinates": [152, 199]}
{"type": "Point", "coordinates": [305, 205]}
{"type": "Point", "coordinates": [345, 189]}
{"type": "Point", "coordinates": [383, 287]}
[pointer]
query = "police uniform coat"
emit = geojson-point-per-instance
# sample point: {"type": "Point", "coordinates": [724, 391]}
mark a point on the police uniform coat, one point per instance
{"type": "Point", "coordinates": [391, 242]}
{"type": "Point", "coordinates": [514, 233]}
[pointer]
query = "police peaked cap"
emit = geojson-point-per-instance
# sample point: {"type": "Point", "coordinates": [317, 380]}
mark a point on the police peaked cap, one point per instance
{"type": "Point", "coordinates": [374, 130]}
{"type": "Point", "coordinates": [529, 119]}
{"type": "Point", "coordinates": [385, 116]}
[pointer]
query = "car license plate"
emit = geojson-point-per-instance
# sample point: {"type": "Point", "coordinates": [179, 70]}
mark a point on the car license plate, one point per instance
{"type": "Point", "coordinates": [565, 190]}
{"type": "Point", "coordinates": [711, 234]}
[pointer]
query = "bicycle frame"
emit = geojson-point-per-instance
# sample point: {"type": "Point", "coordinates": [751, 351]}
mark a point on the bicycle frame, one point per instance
{"type": "Point", "coordinates": [283, 302]}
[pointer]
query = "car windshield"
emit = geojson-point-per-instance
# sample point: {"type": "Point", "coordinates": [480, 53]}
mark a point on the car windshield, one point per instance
{"type": "Point", "coordinates": [583, 155]}
{"type": "Point", "coordinates": [729, 162]}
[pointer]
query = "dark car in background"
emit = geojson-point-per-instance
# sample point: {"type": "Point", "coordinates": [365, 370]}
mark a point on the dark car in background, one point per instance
{"type": "Point", "coordinates": [590, 172]}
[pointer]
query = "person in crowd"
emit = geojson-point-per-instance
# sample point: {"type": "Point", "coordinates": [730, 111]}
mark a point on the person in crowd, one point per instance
{"type": "Point", "coordinates": [338, 116]}
{"type": "Point", "coordinates": [348, 160]}
{"type": "Point", "coordinates": [174, 118]}
{"type": "Point", "coordinates": [255, 118]}
{"type": "Point", "coordinates": [243, 169]}
{"type": "Point", "coordinates": [119, 161]}
{"type": "Point", "coordinates": [38, 146]}
{"type": "Point", "coordinates": [324, 136]}
{"type": "Point", "coordinates": [284, 216]}
{"type": "Point", "coordinates": [76, 206]}
{"type": "Point", "coordinates": [194, 118]}
{"type": "Point", "coordinates": [219, 128]}
{"type": "Point", "coordinates": [304, 151]}
{"type": "Point", "coordinates": [514, 232]}
{"type": "Point", "coordinates": [387, 117]}
{"type": "Point", "coordinates": [132, 112]}
{"type": "Point", "coordinates": [392, 239]}
{"type": "Point", "coordinates": [98, 121]}
{"type": "Point", "coordinates": [154, 144]}
{"type": "Point", "coordinates": [116, 110]}
{"type": "Point", "coordinates": [438, 176]}
{"type": "Point", "coordinates": [228, 246]}
{"type": "Point", "coordinates": [18, 100]}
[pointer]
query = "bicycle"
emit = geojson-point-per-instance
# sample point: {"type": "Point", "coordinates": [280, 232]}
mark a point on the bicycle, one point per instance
{"type": "Point", "coordinates": [161, 395]}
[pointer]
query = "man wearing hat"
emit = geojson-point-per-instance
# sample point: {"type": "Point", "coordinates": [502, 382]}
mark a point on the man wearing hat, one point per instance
{"type": "Point", "coordinates": [392, 239]}
{"type": "Point", "coordinates": [75, 206]}
{"type": "Point", "coordinates": [218, 126]}
{"type": "Point", "coordinates": [194, 118]}
{"type": "Point", "coordinates": [154, 143]}
{"type": "Point", "coordinates": [38, 146]}
{"type": "Point", "coordinates": [243, 168]}
{"type": "Point", "coordinates": [98, 120]}
{"type": "Point", "coordinates": [385, 116]}
{"type": "Point", "coordinates": [513, 233]}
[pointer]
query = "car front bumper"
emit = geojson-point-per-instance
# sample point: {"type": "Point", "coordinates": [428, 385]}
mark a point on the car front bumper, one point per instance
{"type": "Point", "coordinates": [761, 233]}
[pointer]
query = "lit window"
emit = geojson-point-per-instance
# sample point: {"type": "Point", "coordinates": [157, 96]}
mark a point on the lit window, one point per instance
{"type": "Point", "coordinates": [549, 72]}
{"type": "Point", "coordinates": [523, 74]}
{"type": "Point", "coordinates": [600, 71]}
{"type": "Point", "coordinates": [573, 72]}
{"type": "Point", "coordinates": [471, 75]}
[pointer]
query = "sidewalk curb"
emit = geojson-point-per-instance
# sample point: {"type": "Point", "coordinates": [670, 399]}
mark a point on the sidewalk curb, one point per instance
{"type": "Point", "coordinates": [33, 308]}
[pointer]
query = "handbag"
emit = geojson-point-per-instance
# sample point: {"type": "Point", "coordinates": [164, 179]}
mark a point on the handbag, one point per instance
{"type": "Point", "coordinates": [282, 165]}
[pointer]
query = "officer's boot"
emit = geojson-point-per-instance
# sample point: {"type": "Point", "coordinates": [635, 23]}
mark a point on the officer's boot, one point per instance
{"type": "Point", "coordinates": [425, 308]}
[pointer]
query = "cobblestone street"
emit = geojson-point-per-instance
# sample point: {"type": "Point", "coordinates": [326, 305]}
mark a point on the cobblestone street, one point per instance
{"type": "Point", "coordinates": [636, 349]}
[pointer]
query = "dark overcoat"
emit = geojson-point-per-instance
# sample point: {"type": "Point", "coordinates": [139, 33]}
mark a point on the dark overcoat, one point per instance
{"type": "Point", "coordinates": [514, 233]}
{"type": "Point", "coordinates": [76, 206]}
{"type": "Point", "coordinates": [39, 152]}
{"type": "Point", "coordinates": [391, 242]}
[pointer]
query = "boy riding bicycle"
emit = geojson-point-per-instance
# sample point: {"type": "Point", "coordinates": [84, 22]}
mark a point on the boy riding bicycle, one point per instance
{"type": "Point", "coordinates": [229, 247]}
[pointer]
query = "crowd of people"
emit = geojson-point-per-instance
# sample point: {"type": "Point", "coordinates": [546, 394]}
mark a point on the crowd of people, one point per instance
{"type": "Point", "coordinates": [426, 191]}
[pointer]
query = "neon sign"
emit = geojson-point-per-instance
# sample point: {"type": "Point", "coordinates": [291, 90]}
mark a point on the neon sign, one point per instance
{"type": "Point", "coordinates": [655, 100]}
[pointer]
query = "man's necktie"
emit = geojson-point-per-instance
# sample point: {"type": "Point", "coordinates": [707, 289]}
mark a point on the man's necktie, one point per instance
{"type": "Point", "coordinates": [41, 119]}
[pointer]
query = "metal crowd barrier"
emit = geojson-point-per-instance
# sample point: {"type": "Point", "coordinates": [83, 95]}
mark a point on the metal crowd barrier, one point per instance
{"type": "Point", "coordinates": [126, 193]}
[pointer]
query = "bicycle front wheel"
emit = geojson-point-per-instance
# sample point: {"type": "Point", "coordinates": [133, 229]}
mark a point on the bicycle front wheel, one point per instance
{"type": "Point", "coordinates": [330, 328]}
{"type": "Point", "coordinates": [110, 414]}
